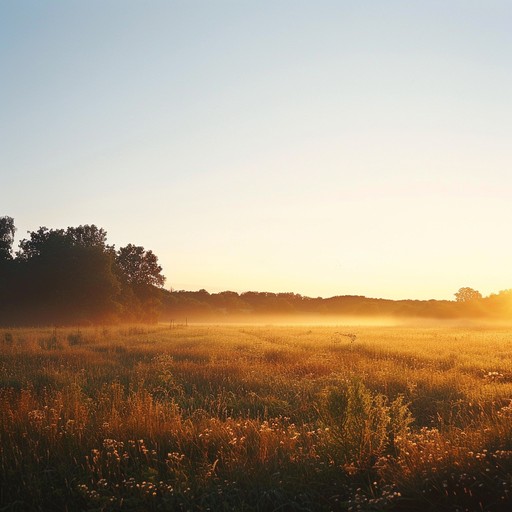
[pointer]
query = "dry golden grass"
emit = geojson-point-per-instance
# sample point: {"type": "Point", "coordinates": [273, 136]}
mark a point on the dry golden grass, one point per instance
{"type": "Point", "coordinates": [246, 417]}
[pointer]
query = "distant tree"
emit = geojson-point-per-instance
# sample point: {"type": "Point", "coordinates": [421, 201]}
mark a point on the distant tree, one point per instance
{"type": "Point", "coordinates": [139, 267]}
{"type": "Point", "coordinates": [228, 302]}
{"type": "Point", "coordinates": [500, 304]}
{"type": "Point", "coordinates": [7, 231]}
{"type": "Point", "coordinates": [467, 294]}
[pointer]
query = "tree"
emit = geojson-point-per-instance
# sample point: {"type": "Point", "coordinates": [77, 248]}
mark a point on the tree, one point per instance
{"type": "Point", "coordinates": [68, 275]}
{"type": "Point", "coordinates": [467, 294]}
{"type": "Point", "coordinates": [42, 243]}
{"type": "Point", "coordinates": [7, 231]}
{"type": "Point", "coordinates": [7, 265]}
{"type": "Point", "coordinates": [140, 275]}
{"type": "Point", "coordinates": [73, 276]}
{"type": "Point", "coordinates": [139, 267]}
{"type": "Point", "coordinates": [88, 236]}
{"type": "Point", "coordinates": [49, 242]}
{"type": "Point", "coordinates": [500, 304]}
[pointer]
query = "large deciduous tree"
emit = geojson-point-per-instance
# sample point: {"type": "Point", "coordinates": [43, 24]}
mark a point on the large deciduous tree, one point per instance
{"type": "Point", "coordinates": [68, 275]}
{"type": "Point", "coordinates": [139, 267]}
{"type": "Point", "coordinates": [73, 276]}
{"type": "Point", "coordinates": [140, 276]}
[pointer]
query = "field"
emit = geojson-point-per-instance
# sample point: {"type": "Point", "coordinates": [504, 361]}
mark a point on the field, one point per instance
{"type": "Point", "coordinates": [256, 418]}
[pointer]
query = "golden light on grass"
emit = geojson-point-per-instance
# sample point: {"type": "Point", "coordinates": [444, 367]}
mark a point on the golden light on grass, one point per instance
{"type": "Point", "coordinates": [372, 416]}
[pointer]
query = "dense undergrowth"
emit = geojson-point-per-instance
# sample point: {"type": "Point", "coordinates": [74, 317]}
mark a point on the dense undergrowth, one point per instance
{"type": "Point", "coordinates": [255, 419]}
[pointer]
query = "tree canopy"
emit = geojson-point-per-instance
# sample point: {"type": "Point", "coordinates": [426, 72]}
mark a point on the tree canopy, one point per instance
{"type": "Point", "coordinates": [7, 231]}
{"type": "Point", "coordinates": [73, 276]}
{"type": "Point", "coordinates": [139, 267]}
{"type": "Point", "coordinates": [467, 294]}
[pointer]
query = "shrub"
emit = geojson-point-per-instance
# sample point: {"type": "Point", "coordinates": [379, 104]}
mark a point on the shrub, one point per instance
{"type": "Point", "coordinates": [360, 425]}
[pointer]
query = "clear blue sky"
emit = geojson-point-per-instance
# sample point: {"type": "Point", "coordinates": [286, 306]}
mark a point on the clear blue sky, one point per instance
{"type": "Point", "coordinates": [321, 147]}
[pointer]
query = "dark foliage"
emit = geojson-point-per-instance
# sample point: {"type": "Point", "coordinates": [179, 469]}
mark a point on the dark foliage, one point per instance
{"type": "Point", "coordinates": [7, 231]}
{"type": "Point", "coordinates": [203, 306]}
{"type": "Point", "coordinates": [72, 276]}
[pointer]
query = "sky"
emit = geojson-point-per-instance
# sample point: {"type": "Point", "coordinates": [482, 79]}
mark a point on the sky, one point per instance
{"type": "Point", "coordinates": [319, 147]}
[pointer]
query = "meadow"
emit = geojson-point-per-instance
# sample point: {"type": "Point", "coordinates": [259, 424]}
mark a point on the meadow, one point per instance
{"type": "Point", "coordinates": [256, 418]}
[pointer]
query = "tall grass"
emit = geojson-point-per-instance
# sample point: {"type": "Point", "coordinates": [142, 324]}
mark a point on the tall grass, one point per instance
{"type": "Point", "coordinates": [255, 418]}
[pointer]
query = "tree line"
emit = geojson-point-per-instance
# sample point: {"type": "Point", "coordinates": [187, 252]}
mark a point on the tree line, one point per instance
{"type": "Point", "coordinates": [203, 305]}
{"type": "Point", "coordinates": [73, 276]}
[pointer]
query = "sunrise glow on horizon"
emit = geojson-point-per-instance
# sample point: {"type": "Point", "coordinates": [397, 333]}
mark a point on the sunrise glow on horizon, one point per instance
{"type": "Point", "coordinates": [322, 148]}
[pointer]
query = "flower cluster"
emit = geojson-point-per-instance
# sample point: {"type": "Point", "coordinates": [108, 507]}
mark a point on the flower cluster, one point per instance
{"type": "Point", "coordinates": [375, 497]}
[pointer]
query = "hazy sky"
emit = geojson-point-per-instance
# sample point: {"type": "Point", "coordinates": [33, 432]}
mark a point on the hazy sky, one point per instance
{"type": "Point", "coordinates": [320, 147]}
